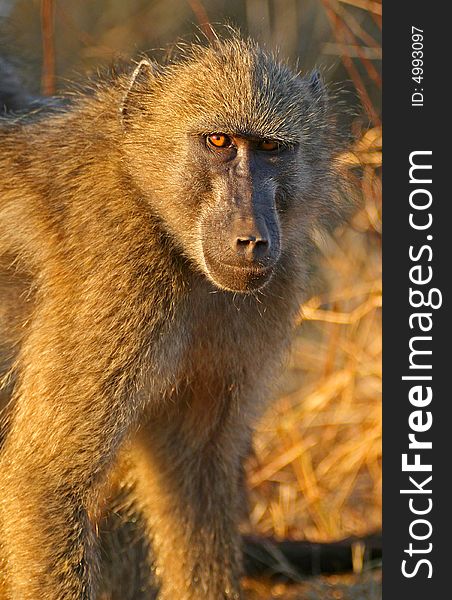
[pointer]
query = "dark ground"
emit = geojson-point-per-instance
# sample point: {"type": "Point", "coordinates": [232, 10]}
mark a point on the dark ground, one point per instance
{"type": "Point", "coordinates": [365, 586]}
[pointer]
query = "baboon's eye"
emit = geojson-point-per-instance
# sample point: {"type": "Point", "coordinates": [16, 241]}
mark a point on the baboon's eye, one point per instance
{"type": "Point", "coordinates": [268, 145]}
{"type": "Point", "coordinates": [219, 140]}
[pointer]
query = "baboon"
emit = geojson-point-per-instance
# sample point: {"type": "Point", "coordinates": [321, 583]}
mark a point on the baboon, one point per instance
{"type": "Point", "coordinates": [156, 241]}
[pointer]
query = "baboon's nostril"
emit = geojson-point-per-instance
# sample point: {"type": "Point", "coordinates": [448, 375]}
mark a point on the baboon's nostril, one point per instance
{"type": "Point", "coordinates": [250, 239]}
{"type": "Point", "coordinates": [252, 247]}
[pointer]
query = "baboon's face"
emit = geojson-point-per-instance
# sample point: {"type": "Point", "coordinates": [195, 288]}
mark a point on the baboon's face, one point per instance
{"type": "Point", "coordinates": [228, 148]}
{"type": "Point", "coordinates": [238, 228]}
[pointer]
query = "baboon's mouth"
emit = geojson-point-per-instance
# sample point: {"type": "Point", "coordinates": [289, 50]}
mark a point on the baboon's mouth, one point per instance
{"type": "Point", "coordinates": [243, 279]}
{"type": "Point", "coordinates": [254, 270]}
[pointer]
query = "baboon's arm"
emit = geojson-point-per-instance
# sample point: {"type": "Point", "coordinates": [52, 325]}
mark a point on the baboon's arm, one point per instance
{"type": "Point", "coordinates": [191, 488]}
{"type": "Point", "coordinates": [69, 418]}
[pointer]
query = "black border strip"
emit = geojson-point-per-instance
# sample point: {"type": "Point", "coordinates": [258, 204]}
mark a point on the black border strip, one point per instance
{"type": "Point", "coordinates": [407, 129]}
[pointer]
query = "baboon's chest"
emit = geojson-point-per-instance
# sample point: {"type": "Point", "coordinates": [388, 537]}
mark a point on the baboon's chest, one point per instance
{"type": "Point", "coordinates": [218, 349]}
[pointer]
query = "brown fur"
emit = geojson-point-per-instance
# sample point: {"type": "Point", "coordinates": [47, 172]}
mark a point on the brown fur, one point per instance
{"type": "Point", "coordinates": [134, 374]}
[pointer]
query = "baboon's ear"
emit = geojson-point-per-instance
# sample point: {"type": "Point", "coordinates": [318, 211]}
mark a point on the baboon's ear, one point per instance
{"type": "Point", "coordinates": [138, 93]}
{"type": "Point", "coordinates": [318, 88]}
{"type": "Point", "coordinates": [316, 82]}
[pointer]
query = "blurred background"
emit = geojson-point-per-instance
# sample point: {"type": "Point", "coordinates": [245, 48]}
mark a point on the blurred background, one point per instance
{"type": "Point", "coordinates": [316, 469]}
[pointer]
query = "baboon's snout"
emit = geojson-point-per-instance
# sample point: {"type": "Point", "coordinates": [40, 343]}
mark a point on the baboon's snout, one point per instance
{"type": "Point", "coordinates": [241, 248]}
